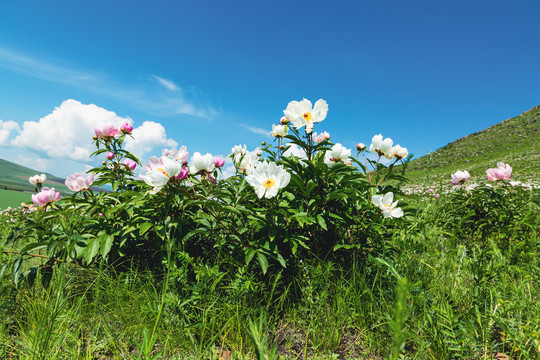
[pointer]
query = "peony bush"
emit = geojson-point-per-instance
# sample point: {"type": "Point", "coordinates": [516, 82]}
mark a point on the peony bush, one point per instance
{"type": "Point", "coordinates": [303, 197]}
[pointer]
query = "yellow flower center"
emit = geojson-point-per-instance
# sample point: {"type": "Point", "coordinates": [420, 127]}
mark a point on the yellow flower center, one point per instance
{"type": "Point", "coordinates": [269, 183]}
{"type": "Point", "coordinates": [307, 116]}
{"type": "Point", "coordinates": [388, 206]}
{"type": "Point", "coordinates": [164, 172]}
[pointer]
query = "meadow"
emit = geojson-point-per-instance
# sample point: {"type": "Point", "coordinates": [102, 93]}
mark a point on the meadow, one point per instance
{"type": "Point", "coordinates": [10, 198]}
{"type": "Point", "coordinates": [317, 254]}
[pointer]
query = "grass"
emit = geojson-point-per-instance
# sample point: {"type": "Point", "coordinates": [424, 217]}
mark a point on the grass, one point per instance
{"type": "Point", "coordinates": [434, 295]}
{"type": "Point", "coordinates": [10, 198]}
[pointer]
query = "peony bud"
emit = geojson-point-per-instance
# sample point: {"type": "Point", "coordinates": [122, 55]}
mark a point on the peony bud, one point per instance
{"type": "Point", "coordinates": [360, 147]}
{"type": "Point", "coordinates": [130, 164]}
{"type": "Point", "coordinates": [126, 128]}
{"type": "Point", "coordinates": [109, 155]}
{"type": "Point", "coordinates": [218, 162]}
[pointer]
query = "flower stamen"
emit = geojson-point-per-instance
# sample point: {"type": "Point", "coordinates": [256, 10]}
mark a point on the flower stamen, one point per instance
{"type": "Point", "coordinates": [268, 183]}
{"type": "Point", "coordinates": [307, 116]}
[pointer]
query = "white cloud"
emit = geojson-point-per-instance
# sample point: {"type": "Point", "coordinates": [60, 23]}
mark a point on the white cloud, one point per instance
{"type": "Point", "coordinates": [168, 84]}
{"type": "Point", "coordinates": [6, 127]}
{"type": "Point", "coordinates": [257, 130]}
{"type": "Point", "coordinates": [147, 136]}
{"type": "Point", "coordinates": [141, 97]}
{"type": "Point", "coordinates": [67, 132]}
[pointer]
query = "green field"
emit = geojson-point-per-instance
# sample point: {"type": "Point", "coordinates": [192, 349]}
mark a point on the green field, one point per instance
{"type": "Point", "coordinates": [10, 198]}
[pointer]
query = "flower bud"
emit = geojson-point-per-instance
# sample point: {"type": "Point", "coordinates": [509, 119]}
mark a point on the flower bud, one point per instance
{"type": "Point", "coordinates": [218, 162]}
{"type": "Point", "coordinates": [284, 121]}
{"type": "Point", "coordinates": [104, 163]}
{"type": "Point", "coordinates": [126, 128]}
{"type": "Point", "coordinates": [263, 143]}
{"type": "Point", "coordinates": [109, 155]}
{"type": "Point", "coordinates": [360, 147]}
{"type": "Point", "coordinates": [281, 147]}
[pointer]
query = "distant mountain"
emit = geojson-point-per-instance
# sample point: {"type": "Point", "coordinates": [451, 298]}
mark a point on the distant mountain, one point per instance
{"type": "Point", "coordinates": [15, 177]}
{"type": "Point", "coordinates": [514, 141]}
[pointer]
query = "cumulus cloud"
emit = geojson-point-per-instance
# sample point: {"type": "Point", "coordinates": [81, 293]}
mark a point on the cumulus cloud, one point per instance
{"type": "Point", "coordinates": [6, 127]}
{"type": "Point", "coordinates": [67, 132]}
{"type": "Point", "coordinates": [146, 137]}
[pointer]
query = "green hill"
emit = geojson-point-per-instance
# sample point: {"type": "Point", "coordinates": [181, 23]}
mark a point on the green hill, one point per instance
{"type": "Point", "coordinates": [15, 177]}
{"type": "Point", "coordinates": [514, 141]}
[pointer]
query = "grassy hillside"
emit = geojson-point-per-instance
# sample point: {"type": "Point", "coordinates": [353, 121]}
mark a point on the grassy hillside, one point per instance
{"type": "Point", "coordinates": [15, 177]}
{"type": "Point", "coordinates": [515, 141]}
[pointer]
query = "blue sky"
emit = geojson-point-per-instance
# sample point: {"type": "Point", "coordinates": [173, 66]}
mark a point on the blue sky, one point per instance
{"type": "Point", "coordinates": [213, 74]}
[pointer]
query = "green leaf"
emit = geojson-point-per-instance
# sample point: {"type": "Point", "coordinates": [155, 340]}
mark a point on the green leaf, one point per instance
{"type": "Point", "coordinates": [263, 261]}
{"type": "Point", "coordinates": [16, 271]}
{"type": "Point", "coordinates": [321, 221]}
{"type": "Point", "coordinates": [106, 244]}
{"type": "Point", "coordinates": [91, 250]}
{"type": "Point", "coordinates": [249, 255]}
{"type": "Point", "coordinates": [144, 228]}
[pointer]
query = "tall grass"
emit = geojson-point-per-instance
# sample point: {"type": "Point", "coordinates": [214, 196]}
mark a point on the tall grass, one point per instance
{"type": "Point", "coordinates": [429, 295]}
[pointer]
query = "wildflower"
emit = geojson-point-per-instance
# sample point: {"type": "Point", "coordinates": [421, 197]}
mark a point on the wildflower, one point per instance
{"type": "Point", "coordinates": [202, 163]}
{"type": "Point", "coordinates": [267, 178]}
{"type": "Point", "coordinates": [303, 114]}
{"type": "Point", "coordinates": [279, 131]}
{"type": "Point", "coordinates": [109, 155]}
{"type": "Point", "coordinates": [388, 207]}
{"type": "Point", "coordinates": [159, 176]}
{"type": "Point", "coordinates": [381, 147]}
{"type": "Point", "coordinates": [127, 128]}
{"type": "Point", "coordinates": [319, 138]}
{"type": "Point", "coordinates": [182, 174]}
{"type": "Point", "coordinates": [459, 177]}
{"type": "Point", "coordinates": [246, 160]}
{"type": "Point", "coordinates": [130, 164]}
{"type": "Point", "coordinates": [45, 197]}
{"type": "Point", "coordinates": [339, 153]}
{"type": "Point", "coordinates": [105, 131]}
{"type": "Point", "coordinates": [37, 179]}
{"type": "Point", "coordinates": [77, 182]}
{"type": "Point", "coordinates": [179, 155]}
{"type": "Point", "coordinates": [218, 162]}
{"type": "Point", "coordinates": [502, 172]}
{"type": "Point", "coordinates": [400, 152]}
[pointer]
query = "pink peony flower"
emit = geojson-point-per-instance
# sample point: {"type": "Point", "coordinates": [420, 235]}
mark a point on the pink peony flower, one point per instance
{"type": "Point", "coordinates": [105, 131]}
{"type": "Point", "coordinates": [45, 197]}
{"type": "Point", "coordinates": [182, 174]}
{"type": "Point", "coordinates": [131, 165]}
{"type": "Point", "coordinates": [502, 172]}
{"type": "Point", "coordinates": [459, 177]}
{"type": "Point", "coordinates": [77, 182]}
{"type": "Point", "coordinates": [219, 162]}
{"type": "Point", "coordinates": [319, 138]}
{"type": "Point", "coordinates": [109, 155]}
{"type": "Point", "coordinates": [126, 128]}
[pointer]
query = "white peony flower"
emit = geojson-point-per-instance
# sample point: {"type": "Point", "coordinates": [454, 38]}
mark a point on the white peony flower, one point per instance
{"type": "Point", "coordinates": [160, 175]}
{"type": "Point", "coordinates": [400, 152]}
{"type": "Point", "coordinates": [267, 178]}
{"type": "Point", "coordinates": [37, 179]}
{"type": "Point", "coordinates": [203, 163]}
{"type": "Point", "coordinates": [388, 208]}
{"type": "Point", "coordinates": [339, 153]}
{"type": "Point", "coordinates": [279, 131]}
{"type": "Point", "coordinates": [179, 155]}
{"type": "Point", "coordinates": [319, 138]}
{"type": "Point", "coordinates": [301, 113]}
{"type": "Point", "coordinates": [381, 147]}
{"type": "Point", "coordinates": [246, 161]}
